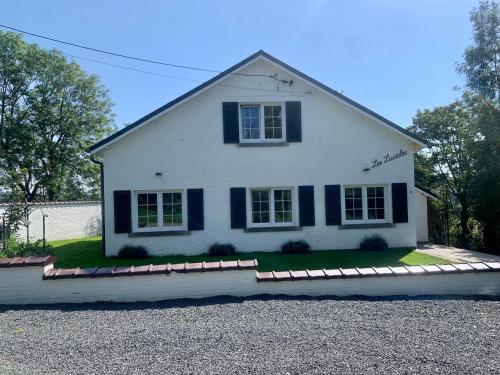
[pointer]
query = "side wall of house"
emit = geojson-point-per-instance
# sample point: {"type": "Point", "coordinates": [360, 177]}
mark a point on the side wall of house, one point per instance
{"type": "Point", "coordinates": [63, 221]}
{"type": "Point", "coordinates": [186, 147]}
{"type": "Point", "coordinates": [421, 214]}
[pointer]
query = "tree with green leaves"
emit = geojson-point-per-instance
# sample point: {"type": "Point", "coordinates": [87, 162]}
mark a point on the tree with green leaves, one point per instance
{"type": "Point", "coordinates": [51, 111]}
{"type": "Point", "coordinates": [481, 65]}
{"type": "Point", "coordinates": [463, 161]}
{"type": "Point", "coordinates": [486, 182]}
{"type": "Point", "coordinates": [450, 133]}
{"type": "Point", "coordinates": [481, 69]}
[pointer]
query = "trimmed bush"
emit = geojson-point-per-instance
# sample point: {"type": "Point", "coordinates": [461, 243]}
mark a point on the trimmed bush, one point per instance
{"type": "Point", "coordinates": [221, 249]}
{"type": "Point", "coordinates": [133, 252]}
{"type": "Point", "coordinates": [296, 247]}
{"type": "Point", "coordinates": [375, 242]}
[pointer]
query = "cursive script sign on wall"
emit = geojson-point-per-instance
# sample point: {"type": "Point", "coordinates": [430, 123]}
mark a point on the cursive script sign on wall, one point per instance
{"type": "Point", "coordinates": [388, 158]}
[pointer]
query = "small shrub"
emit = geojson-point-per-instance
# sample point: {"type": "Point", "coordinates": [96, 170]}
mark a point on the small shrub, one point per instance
{"type": "Point", "coordinates": [296, 247]}
{"type": "Point", "coordinates": [375, 242]}
{"type": "Point", "coordinates": [16, 248]}
{"type": "Point", "coordinates": [133, 252]}
{"type": "Point", "coordinates": [221, 249]}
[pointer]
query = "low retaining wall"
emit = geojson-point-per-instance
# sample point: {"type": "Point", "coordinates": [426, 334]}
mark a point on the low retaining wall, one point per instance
{"type": "Point", "coordinates": [34, 280]}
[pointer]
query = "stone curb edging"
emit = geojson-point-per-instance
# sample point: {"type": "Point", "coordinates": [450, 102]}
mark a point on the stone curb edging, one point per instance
{"type": "Point", "coordinates": [26, 261]}
{"type": "Point", "coordinates": [151, 269]}
{"type": "Point", "coordinates": [341, 273]}
{"type": "Point", "coordinates": [349, 273]}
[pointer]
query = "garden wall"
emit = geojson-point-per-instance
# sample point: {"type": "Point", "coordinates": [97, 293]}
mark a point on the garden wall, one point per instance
{"type": "Point", "coordinates": [64, 220]}
{"type": "Point", "coordinates": [34, 280]}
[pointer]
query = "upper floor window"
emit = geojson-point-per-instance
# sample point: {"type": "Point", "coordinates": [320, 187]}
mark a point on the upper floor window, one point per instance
{"type": "Point", "coordinates": [250, 121]}
{"type": "Point", "coordinates": [363, 204]}
{"type": "Point", "coordinates": [261, 122]}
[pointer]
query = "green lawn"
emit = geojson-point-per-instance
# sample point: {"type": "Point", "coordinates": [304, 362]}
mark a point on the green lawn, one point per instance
{"type": "Point", "coordinates": [86, 252]}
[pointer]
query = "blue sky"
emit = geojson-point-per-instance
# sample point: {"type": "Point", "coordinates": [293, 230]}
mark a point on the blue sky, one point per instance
{"type": "Point", "coordinates": [393, 57]}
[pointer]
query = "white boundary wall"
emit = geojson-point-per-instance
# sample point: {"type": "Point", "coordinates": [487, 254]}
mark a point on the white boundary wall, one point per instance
{"type": "Point", "coordinates": [64, 220]}
{"type": "Point", "coordinates": [24, 285]}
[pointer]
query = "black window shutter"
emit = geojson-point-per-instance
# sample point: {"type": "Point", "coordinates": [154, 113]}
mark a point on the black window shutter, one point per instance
{"type": "Point", "coordinates": [333, 205]}
{"type": "Point", "coordinates": [306, 206]}
{"type": "Point", "coordinates": [195, 209]}
{"type": "Point", "coordinates": [293, 122]}
{"type": "Point", "coordinates": [230, 120]}
{"type": "Point", "coordinates": [399, 203]}
{"type": "Point", "coordinates": [238, 208]}
{"type": "Point", "coordinates": [123, 212]}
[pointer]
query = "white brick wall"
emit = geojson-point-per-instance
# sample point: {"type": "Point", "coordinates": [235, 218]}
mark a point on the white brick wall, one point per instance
{"type": "Point", "coordinates": [186, 146]}
{"type": "Point", "coordinates": [64, 220]}
{"type": "Point", "coordinates": [24, 285]}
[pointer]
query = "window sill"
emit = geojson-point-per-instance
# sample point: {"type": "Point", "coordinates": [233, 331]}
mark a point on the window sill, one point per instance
{"type": "Point", "coordinates": [367, 226]}
{"type": "Point", "coordinates": [272, 229]}
{"type": "Point", "coordinates": [264, 144]}
{"type": "Point", "coordinates": [180, 232]}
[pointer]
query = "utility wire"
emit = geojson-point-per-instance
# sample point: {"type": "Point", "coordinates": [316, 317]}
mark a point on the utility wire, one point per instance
{"type": "Point", "coordinates": [109, 53]}
{"type": "Point", "coordinates": [129, 68]}
{"type": "Point", "coordinates": [176, 77]}
{"type": "Point", "coordinates": [136, 58]}
{"type": "Point", "coordinates": [156, 62]}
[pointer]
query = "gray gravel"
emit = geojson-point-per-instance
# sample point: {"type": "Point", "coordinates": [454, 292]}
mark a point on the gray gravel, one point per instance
{"type": "Point", "coordinates": [276, 335]}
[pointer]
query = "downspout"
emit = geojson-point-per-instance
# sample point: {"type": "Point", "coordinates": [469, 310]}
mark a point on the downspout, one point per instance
{"type": "Point", "coordinates": [103, 226]}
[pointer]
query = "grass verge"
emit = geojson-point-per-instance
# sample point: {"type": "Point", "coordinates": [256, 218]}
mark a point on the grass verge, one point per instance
{"type": "Point", "coordinates": [86, 252]}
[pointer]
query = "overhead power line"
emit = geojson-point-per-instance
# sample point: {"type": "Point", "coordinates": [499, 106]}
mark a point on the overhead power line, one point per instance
{"type": "Point", "coordinates": [129, 68]}
{"type": "Point", "coordinates": [136, 58]}
{"type": "Point", "coordinates": [108, 52]}
{"type": "Point", "coordinates": [180, 78]}
{"type": "Point", "coordinates": [158, 63]}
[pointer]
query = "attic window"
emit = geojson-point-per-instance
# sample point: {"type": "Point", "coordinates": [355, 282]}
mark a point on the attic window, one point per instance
{"type": "Point", "coordinates": [262, 122]}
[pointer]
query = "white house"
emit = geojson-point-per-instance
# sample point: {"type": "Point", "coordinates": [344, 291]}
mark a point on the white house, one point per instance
{"type": "Point", "coordinates": [258, 155]}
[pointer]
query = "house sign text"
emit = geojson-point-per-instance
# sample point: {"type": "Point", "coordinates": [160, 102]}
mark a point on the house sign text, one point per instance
{"type": "Point", "coordinates": [387, 158]}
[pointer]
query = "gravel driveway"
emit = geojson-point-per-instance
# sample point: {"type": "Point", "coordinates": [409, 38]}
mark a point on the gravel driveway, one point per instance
{"type": "Point", "coordinates": [268, 335]}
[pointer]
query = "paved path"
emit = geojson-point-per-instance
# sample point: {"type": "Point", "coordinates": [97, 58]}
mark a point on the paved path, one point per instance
{"type": "Point", "coordinates": [456, 255]}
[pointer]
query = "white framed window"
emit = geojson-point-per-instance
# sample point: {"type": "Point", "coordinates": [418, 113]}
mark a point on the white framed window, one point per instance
{"type": "Point", "coordinates": [353, 201]}
{"type": "Point", "coordinates": [262, 122]}
{"type": "Point", "coordinates": [271, 207]}
{"type": "Point", "coordinates": [375, 199]}
{"type": "Point", "coordinates": [147, 210]}
{"type": "Point", "coordinates": [365, 204]}
{"type": "Point", "coordinates": [159, 210]}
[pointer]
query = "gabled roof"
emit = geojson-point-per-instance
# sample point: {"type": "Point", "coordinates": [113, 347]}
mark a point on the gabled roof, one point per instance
{"type": "Point", "coordinates": [122, 132]}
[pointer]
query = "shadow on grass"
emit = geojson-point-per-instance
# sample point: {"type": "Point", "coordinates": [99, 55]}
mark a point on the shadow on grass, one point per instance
{"type": "Point", "coordinates": [226, 300]}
